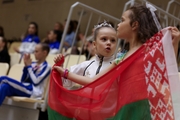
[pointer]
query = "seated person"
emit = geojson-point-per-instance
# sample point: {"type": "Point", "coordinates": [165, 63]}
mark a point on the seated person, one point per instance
{"type": "Point", "coordinates": [4, 55]}
{"type": "Point", "coordinates": [69, 36]}
{"type": "Point", "coordinates": [58, 27]}
{"type": "Point", "coordinates": [30, 40]}
{"type": "Point", "coordinates": [88, 47]}
{"type": "Point", "coordinates": [34, 77]}
{"type": "Point", "coordinates": [53, 42]}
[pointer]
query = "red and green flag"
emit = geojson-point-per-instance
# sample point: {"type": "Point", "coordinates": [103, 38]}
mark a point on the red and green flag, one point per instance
{"type": "Point", "coordinates": [145, 86]}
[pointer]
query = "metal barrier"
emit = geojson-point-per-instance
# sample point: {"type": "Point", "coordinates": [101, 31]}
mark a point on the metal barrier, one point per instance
{"type": "Point", "coordinates": [173, 8]}
{"type": "Point", "coordinates": [90, 17]}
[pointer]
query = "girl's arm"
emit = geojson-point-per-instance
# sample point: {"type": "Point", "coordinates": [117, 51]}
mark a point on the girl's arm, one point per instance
{"type": "Point", "coordinates": [82, 79]}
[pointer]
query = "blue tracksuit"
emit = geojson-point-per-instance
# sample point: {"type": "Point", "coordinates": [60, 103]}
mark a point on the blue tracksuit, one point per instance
{"type": "Point", "coordinates": [32, 83]}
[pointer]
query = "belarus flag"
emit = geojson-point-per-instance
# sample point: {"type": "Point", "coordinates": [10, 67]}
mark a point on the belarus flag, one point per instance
{"type": "Point", "coordinates": [145, 86]}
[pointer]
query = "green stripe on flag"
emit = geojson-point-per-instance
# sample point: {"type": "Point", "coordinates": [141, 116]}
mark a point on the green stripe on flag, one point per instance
{"type": "Point", "coordinates": [139, 110]}
{"type": "Point", "coordinates": [53, 115]}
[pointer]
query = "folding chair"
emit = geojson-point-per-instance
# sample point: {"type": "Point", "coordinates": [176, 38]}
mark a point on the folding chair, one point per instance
{"type": "Point", "coordinates": [4, 67]}
{"type": "Point", "coordinates": [13, 45]}
{"type": "Point", "coordinates": [15, 58]}
{"type": "Point", "coordinates": [15, 71]}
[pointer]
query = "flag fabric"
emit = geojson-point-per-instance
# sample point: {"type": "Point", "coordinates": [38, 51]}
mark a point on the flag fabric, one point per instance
{"type": "Point", "coordinates": [145, 86]}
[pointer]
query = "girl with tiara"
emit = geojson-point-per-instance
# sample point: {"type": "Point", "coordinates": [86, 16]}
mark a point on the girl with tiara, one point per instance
{"type": "Point", "coordinates": [105, 41]}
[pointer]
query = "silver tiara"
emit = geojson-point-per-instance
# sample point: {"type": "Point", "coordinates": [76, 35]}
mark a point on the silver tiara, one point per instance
{"type": "Point", "coordinates": [104, 24]}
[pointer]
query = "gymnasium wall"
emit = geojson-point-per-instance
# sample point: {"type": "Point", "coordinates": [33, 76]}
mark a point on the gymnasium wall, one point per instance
{"type": "Point", "coordinates": [15, 16]}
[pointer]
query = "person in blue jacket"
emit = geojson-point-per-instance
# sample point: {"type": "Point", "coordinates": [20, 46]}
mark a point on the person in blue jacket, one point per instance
{"type": "Point", "coordinates": [34, 77]}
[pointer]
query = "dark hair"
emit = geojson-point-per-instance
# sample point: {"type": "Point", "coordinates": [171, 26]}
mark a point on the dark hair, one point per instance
{"type": "Point", "coordinates": [112, 24]}
{"type": "Point", "coordinates": [75, 24]}
{"type": "Point", "coordinates": [45, 47]}
{"type": "Point", "coordinates": [71, 26]}
{"type": "Point", "coordinates": [5, 42]}
{"type": "Point", "coordinates": [1, 31]}
{"type": "Point", "coordinates": [178, 27]}
{"type": "Point", "coordinates": [58, 34]}
{"type": "Point", "coordinates": [96, 29]}
{"type": "Point", "coordinates": [147, 27]}
{"type": "Point", "coordinates": [36, 27]}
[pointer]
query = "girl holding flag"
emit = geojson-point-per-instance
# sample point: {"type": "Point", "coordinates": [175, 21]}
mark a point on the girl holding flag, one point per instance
{"type": "Point", "coordinates": [141, 84]}
{"type": "Point", "coordinates": [105, 41]}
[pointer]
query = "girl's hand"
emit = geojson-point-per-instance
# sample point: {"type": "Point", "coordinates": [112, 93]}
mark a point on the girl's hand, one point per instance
{"type": "Point", "coordinates": [59, 69]}
{"type": "Point", "coordinates": [27, 59]}
{"type": "Point", "coordinates": [58, 58]}
{"type": "Point", "coordinates": [175, 38]}
{"type": "Point", "coordinates": [175, 35]}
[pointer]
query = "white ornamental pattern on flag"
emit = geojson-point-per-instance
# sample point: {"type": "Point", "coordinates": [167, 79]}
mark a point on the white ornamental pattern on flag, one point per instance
{"type": "Point", "coordinates": [157, 80]}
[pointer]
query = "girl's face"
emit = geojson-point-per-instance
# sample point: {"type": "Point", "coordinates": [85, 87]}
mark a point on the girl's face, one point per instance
{"type": "Point", "coordinates": [106, 41]}
{"type": "Point", "coordinates": [39, 53]}
{"type": "Point", "coordinates": [51, 36]}
{"type": "Point", "coordinates": [31, 29]}
{"type": "Point", "coordinates": [124, 28]}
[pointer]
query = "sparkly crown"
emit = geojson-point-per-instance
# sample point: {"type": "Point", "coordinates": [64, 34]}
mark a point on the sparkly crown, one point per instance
{"type": "Point", "coordinates": [103, 24]}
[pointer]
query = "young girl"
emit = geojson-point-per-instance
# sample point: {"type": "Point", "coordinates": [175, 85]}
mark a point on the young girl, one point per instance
{"type": "Point", "coordinates": [137, 27]}
{"type": "Point", "coordinates": [30, 40]}
{"type": "Point", "coordinates": [69, 36]}
{"type": "Point", "coordinates": [105, 41]}
{"type": "Point", "coordinates": [58, 27]}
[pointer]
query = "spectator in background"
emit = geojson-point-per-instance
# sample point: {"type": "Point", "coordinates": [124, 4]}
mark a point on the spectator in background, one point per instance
{"type": "Point", "coordinates": [53, 42]}
{"type": "Point", "coordinates": [58, 27]}
{"type": "Point", "coordinates": [88, 47]}
{"type": "Point", "coordinates": [30, 40]}
{"type": "Point", "coordinates": [69, 36]}
{"type": "Point", "coordinates": [4, 55]}
{"type": "Point", "coordinates": [80, 35]}
{"type": "Point", "coordinates": [1, 31]}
